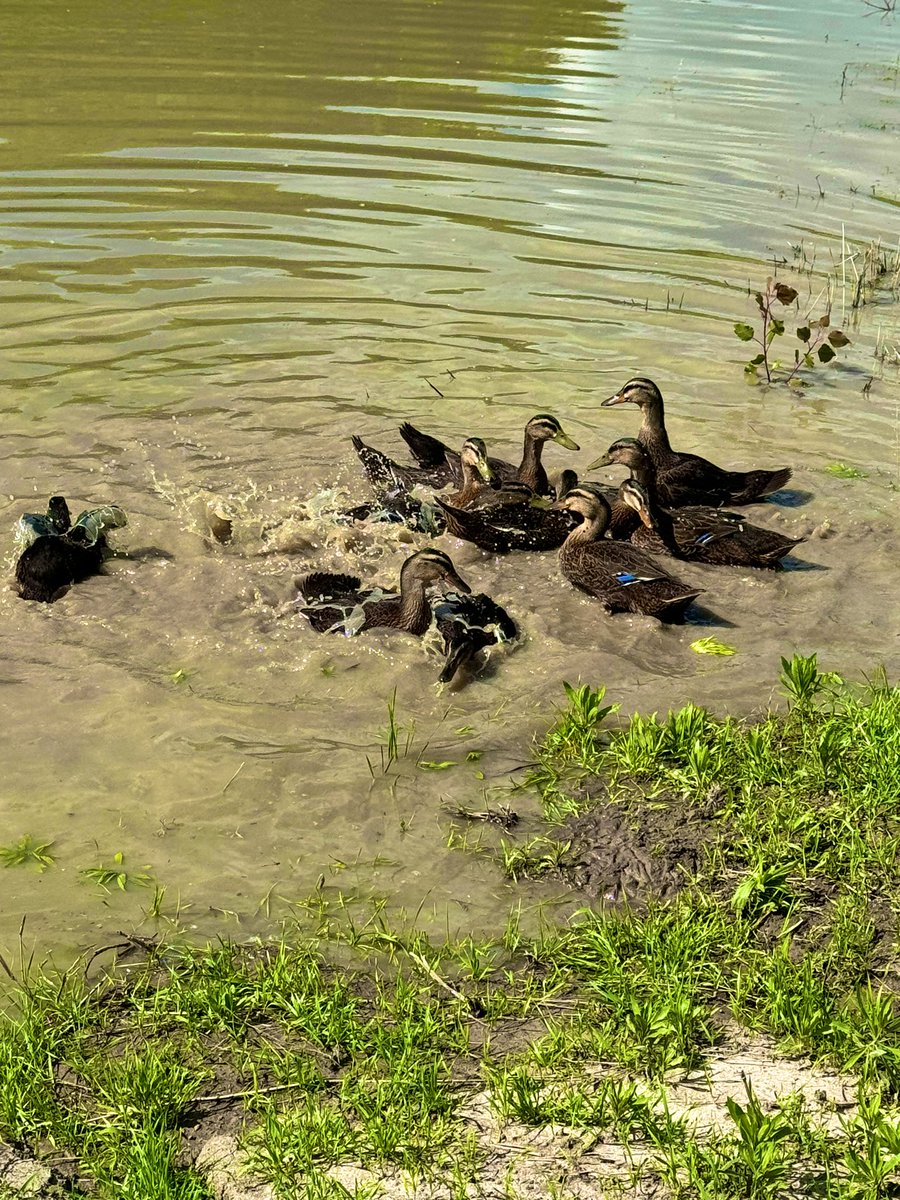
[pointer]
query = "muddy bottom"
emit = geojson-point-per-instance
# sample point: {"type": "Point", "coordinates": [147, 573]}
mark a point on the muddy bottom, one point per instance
{"type": "Point", "coordinates": [635, 853]}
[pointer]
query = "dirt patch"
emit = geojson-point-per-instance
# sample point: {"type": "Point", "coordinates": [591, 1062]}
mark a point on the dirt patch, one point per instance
{"type": "Point", "coordinates": [635, 852]}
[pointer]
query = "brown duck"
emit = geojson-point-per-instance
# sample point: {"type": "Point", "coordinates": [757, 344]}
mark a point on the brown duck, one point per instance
{"type": "Point", "coordinates": [622, 577]}
{"type": "Point", "coordinates": [688, 478]}
{"type": "Point", "coordinates": [340, 604]}
{"type": "Point", "coordinates": [443, 465]}
{"type": "Point", "coordinates": [696, 533]}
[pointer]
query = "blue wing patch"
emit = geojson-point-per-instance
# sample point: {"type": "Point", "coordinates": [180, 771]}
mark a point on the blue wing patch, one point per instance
{"type": "Point", "coordinates": [626, 578]}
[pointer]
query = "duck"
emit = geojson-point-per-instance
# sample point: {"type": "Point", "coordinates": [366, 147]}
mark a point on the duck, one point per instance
{"type": "Point", "coordinates": [622, 577]}
{"type": "Point", "coordinates": [477, 485]}
{"type": "Point", "coordinates": [508, 527]}
{"type": "Point", "coordinates": [688, 478]}
{"type": "Point", "coordinates": [468, 624]}
{"type": "Point", "coordinates": [336, 603]}
{"type": "Point", "coordinates": [533, 527]}
{"type": "Point", "coordinates": [695, 533]}
{"type": "Point", "coordinates": [59, 553]}
{"type": "Point", "coordinates": [443, 465]}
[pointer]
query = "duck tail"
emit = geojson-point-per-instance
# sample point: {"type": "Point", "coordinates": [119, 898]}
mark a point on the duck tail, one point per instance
{"type": "Point", "coordinates": [674, 609]}
{"type": "Point", "coordinates": [323, 585]}
{"type": "Point", "coordinates": [761, 483]}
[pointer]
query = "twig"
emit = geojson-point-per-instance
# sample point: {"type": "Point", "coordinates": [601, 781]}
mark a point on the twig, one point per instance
{"type": "Point", "coordinates": [233, 778]}
{"type": "Point", "coordinates": [430, 971]}
{"type": "Point", "coordinates": [433, 388]}
{"type": "Point", "coordinates": [264, 1091]}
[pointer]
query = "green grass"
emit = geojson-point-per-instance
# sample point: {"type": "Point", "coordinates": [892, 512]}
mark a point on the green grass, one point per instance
{"type": "Point", "coordinates": [27, 850]}
{"type": "Point", "coordinates": [353, 1041]}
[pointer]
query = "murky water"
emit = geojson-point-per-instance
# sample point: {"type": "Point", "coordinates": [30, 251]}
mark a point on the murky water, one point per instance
{"type": "Point", "coordinates": [234, 234]}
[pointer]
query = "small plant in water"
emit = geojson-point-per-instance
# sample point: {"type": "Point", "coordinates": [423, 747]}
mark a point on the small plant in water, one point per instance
{"type": "Point", "coordinates": [392, 750]}
{"type": "Point", "coordinates": [711, 645]}
{"type": "Point", "coordinates": [116, 875]}
{"type": "Point", "coordinates": [27, 850]}
{"type": "Point", "coordinates": [844, 471]}
{"type": "Point", "coordinates": [816, 336]}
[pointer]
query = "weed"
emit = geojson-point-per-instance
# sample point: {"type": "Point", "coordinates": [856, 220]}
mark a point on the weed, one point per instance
{"type": "Point", "coordinates": [536, 857]}
{"type": "Point", "coordinates": [844, 471]}
{"type": "Point", "coordinates": [27, 850]}
{"type": "Point", "coordinates": [116, 875]}
{"type": "Point", "coordinates": [816, 336]}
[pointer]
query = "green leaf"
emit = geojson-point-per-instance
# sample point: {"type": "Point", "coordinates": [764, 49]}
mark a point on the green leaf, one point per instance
{"type": "Point", "coordinates": [838, 339]}
{"type": "Point", "coordinates": [754, 362]}
{"type": "Point", "coordinates": [711, 645]}
{"type": "Point", "coordinates": [474, 755]}
{"type": "Point", "coordinates": [777, 326]}
{"type": "Point", "coordinates": [804, 333]}
{"type": "Point", "coordinates": [426, 765]}
{"type": "Point", "coordinates": [845, 471]}
{"type": "Point", "coordinates": [808, 360]}
{"type": "Point", "coordinates": [826, 354]}
{"type": "Point", "coordinates": [785, 294]}
{"type": "Point", "coordinates": [744, 331]}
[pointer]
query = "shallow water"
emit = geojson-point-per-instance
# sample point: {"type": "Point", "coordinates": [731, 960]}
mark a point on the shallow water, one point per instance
{"type": "Point", "coordinates": [231, 236]}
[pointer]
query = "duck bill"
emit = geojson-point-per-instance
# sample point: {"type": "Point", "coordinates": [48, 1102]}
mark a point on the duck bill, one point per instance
{"type": "Point", "coordinates": [618, 398]}
{"type": "Point", "coordinates": [483, 468]}
{"type": "Point", "coordinates": [603, 461]}
{"type": "Point", "coordinates": [456, 581]}
{"type": "Point", "coordinates": [647, 518]}
{"type": "Point", "coordinates": [564, 440]}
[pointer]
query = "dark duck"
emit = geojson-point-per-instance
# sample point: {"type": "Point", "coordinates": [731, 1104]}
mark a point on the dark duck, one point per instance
{"type": "Point", "coordinates": [58, 553]}
{"type": "Point", "coordinates": [688, 478]}
{"type": "Point", "coordinates": [340, 604]}
{"type": "Point", "coordinates": [622, 577]}
{"type": "Point", "coordinates": [696, 533]}
{"type": "Point", "coordinates": [442, 465]}
{"type": "Point", "coordinates": [477, 487]}
{"type": "Point", "coordinates": [469, 624]}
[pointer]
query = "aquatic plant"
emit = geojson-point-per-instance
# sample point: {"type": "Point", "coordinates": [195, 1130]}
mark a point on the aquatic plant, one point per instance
{"type": "Point", "coordinates": [27, 850]}
{"type": "Point", "coordinates": [816, 336]}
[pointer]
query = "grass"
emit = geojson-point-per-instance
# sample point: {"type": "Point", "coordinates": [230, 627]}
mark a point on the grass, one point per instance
{"type": "Point", "coordinates": [27, 850]}
{"type": "Point", "coordinates": [352, 1041]}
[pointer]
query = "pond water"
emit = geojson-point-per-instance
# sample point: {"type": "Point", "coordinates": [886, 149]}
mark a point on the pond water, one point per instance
{"type": "Point", "coordinates": [233, 234]}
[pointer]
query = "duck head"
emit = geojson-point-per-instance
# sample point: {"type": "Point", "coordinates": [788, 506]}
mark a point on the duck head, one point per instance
{"type": "Point", "coordinates": [625, 452]}
{"type": "Point", "coordinates": [544, 428]}
{"type": "Point", "coordinates": [474, 456]}
{"type": "Point", "coordinates": [639, 391]}
{"type": "Point", "coordinates": [636, 496]}
{"type": "Point", "coordinates": [590, 504]}
{"type": "Point", "coordinates": [431, 566]}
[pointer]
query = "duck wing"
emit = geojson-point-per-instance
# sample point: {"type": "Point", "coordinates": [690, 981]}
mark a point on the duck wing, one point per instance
{"type": "Point", "coordinates": [509, 526]}
{"type": "Point", "coordinates": [625, 579]}
{"type": "Point", "coordinates": [338, 604]}
{"type": "Point", "coordinates": [439, 459]}
{"type": "Point", "coordinates": [384, 474]}
{"type": "Point", "coordinates": [469, 623]}
{"type": "Point", "coordinates": [692, 480]}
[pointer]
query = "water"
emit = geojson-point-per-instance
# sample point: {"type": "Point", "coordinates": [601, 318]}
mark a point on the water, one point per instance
{"type": "Point", "coordinates": [230, 236]}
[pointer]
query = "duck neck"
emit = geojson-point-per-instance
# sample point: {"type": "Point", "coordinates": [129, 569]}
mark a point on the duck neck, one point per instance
{"type": "Point", "coordinates": [472, 484]}
{"type": "Point", "coordinates": [590, 529]}
{"type": "Point", "coordinates": [415, 611]}
{"type": "Point", "coordinates": [531, 470]}
{"type": "Point", "coordinates": [652, 434]}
